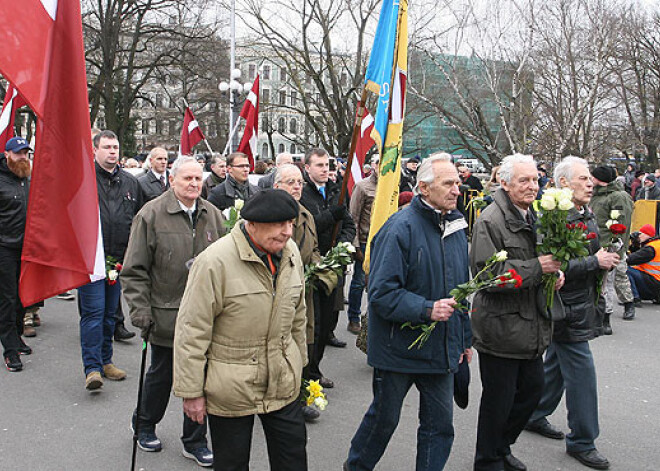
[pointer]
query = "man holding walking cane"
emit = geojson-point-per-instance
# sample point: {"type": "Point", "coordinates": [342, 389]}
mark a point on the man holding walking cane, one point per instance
{"type": "Point", "coordinates": [167, 234]}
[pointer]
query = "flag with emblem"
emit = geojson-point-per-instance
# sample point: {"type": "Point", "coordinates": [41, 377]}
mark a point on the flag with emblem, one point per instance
{"type": "Point", "coordinates": [13, 101]}
{"type": "Point", "coordinates": [44, 59]}
{"type": "Point", "coordinates": [250, 113]}
{"type": "Point", "coordinates": [386, 76]}
{"type": "Point", "coordinates": [191, 134]}
{"type": "Point", "coordinates": [364, 144]}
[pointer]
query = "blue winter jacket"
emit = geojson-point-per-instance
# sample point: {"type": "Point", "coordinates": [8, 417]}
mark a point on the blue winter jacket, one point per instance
{"type": "Point", "coordinates": [417, 257]}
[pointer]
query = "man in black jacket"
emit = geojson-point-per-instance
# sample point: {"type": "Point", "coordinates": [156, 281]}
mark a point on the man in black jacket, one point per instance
{"type": "Point", "coordinates": [236, 186]}
{"type": "Point", "coordinates": [14, 189]}
{"type": "Point", "coordinates": [321, 198]}
{"type": "Point", "coordinates": [120, 198]}
{"type": "Point", "coordinates": [155, 181]}
{"type": "Point", "coordinates": [569, 364]}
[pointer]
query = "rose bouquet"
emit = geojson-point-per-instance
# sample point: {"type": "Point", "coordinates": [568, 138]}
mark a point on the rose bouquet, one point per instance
{"type": "Point", "coordinates": [616, 230]}
{"type": "Point", "coordinates": [335, 260]}
{"type": "Point", "coordinates": [563, 241]}
{"type": "Point", "coordinates": [112, 269]}
{"type": "Point", "coordinates": [312, 394]}
{"type": "Point", "coordinates": [483, 280]}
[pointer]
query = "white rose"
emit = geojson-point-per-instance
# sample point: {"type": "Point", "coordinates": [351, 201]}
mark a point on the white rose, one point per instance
{"type": "Point", "coordinates": [609, 223]}
{"type": "Point", "coordinates": [238, 204]}
{"type": "Point", "coordinates": [501, 256]}
{"type": "Point", "coordinates": [615, 214]}
{"type": "Point", "coordinates": [350, 247]}
{"type": "Point", "coordinates": [321, 403]}
{"type": "Point", "coordinates": [565, 204]}
{"type": "Point", "coordinates": [548, 202]}
{"type": "Point", "coordinates": [112, 275]}
{"type": "Point", "coordinates": [565, 194]}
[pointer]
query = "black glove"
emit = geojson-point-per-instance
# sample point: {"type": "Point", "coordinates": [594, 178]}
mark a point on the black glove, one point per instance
{"type": "Point", "coordinates": [337, 212]}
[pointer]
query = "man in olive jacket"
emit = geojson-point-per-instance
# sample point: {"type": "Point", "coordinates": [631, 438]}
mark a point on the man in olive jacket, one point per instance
{"type": "Point", "coordinates": [240, 343]}
{"type": "Point", "coordinates": [167, 234]}
{"type": "Point", "coordinates": [608, 196]}
{"type": "Point", "coordinates": [568, 363]}
{"type": "Point", "coordinates": [510, 331]}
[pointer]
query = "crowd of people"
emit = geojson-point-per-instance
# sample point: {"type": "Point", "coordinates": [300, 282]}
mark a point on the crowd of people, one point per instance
{"type": "Point", "coordinates": [236, 329]}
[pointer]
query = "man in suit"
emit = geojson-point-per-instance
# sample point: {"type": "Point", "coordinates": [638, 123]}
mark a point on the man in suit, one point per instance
{"type": "Point", "coordinates": [156, 181]}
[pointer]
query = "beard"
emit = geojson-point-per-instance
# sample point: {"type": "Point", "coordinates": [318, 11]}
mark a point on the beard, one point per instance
{"type": "Point", "coordinates": [20, 168]}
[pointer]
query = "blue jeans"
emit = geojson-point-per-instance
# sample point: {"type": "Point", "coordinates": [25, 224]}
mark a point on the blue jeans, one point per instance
{"type": "Point", "coordinates": [570, 367]}
{"type": "Point", "coordinates": [640, 284]}
{"type": "Point", "coordinates": [97, 303]}
{"type": "Point", "coordinates": [356, 290]}
{"type": "Point", "coordinates": [435, 434]}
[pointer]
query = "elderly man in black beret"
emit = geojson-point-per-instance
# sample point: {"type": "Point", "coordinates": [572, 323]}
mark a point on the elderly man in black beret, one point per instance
{"type": "Point", "coordinates": [240, 343]}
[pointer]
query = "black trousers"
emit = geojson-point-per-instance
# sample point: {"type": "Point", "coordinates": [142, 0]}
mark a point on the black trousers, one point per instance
{"type": "Point", "coordinates": [12, 311]}
{"type": "Point", "coordinates": [511, 390]}
{"type": "Point", "coordinates": [119, 315]}
{"type": "Point", "coordinates": [286, 439]}
{"type": "Point", "coordinates": [156, 395]}
{"type": "Point", "coordinates": [325, 319]}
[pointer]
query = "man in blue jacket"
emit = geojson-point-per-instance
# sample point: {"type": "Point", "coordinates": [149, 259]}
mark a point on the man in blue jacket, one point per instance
{"type": "Point", "coordinates": [417, 258]}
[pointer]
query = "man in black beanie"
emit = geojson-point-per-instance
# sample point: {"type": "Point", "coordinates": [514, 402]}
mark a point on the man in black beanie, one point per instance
{"type": "Point", "coordinates": [240, 337]}
{"type": "Point", "coordinates": [609, 196]}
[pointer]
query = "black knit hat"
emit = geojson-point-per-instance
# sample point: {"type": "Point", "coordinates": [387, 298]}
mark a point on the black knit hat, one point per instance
{"type": "Point", "coordinates": [604, 174]}
{"type": "Point", "coordinates": [271, 205]}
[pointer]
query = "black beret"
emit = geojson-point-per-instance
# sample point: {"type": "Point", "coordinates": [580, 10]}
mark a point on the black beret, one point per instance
{"type": "Point", "coordinates": [604, 174]}
{"type": "Point", "coordinates": [271, 205]}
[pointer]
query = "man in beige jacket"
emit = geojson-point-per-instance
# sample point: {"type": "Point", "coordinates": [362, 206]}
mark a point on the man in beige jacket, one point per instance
{"type": "Point", "coordinates": [240, 341]}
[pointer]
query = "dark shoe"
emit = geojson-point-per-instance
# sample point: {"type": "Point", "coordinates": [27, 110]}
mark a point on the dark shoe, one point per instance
{"type": "Point", "coordinates": [203, 456]}
{"type": "Point", "coordinates": [13, 362]}
{"type": "Point", "coordinates": [29, 331]}
{"type": "Point", "coordinates": [23, 349]}
{"type": "Point", "coordinates": [511, 463]}
{"type": "Point", "coordinates": [310, 414]}
{"type": "Point", "coordinates": [122, 333]}
{"type": "Point", "coordinates": [591, 458]}
{"type": "Point", "coordinates": [335, 342]}
{"type": "Point", "coordinates": [628, 311]}
{"type": "Point", "coordinates": [607, 327]}
{"type": "Point", "coordinates": [545, 428]}
{"type": "Point", "coordinates": [36, 320]}
{"type": "Point", "coordinates": [637, 301]}
{"type": "Point", "coordinates": [66, 296]}
{"type": "Point", "coordinates": [354, 327]}
{"type": "Point", "coordinates": [326, 383]}
{"type": "Point", "coordinates": [148, 441]}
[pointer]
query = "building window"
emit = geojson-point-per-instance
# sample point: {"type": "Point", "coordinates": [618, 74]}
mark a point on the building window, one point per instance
{"type": "Point", "coordinates": [252, 71]}
{"type": "Point", "coordinates": [265, 123]}
{"type": "Point", "coordinates": [293, 126]}
{"type": "Point", "coordinates": [308, 98]}
{"type": "Point", "coordinates": [294, 98]}
{"type": "Point", "coordinates": [282, 98]}
{"type": "Point", "coordinates": [280, 148]}
{"type": "Point", "coordinates": [173, 127]}
{"type": "Point", "coordinates": [264, 151]}
{"type": "Point", "coordinates": [159, 127]}
{"type": "Point", "coordinates": [159, 100]}
{"type": "Point", "coordinates": [292, 149]}
{"type": "Point", "coordinates": [281, 126]}
{"type": "Point", "coordinates": [265, 95]}
{"type": "Point", "coordinates": [282, 74]}
{"type": "Point", "coordinates": [266, 72]}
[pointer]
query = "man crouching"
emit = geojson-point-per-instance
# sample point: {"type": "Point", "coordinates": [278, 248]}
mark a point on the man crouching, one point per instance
{"type": "Point", "coordinates": [239, 344]}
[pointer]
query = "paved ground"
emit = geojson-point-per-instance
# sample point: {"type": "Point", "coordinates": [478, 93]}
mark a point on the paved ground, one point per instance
{"type": "Point", "coordinates": [49, 422]}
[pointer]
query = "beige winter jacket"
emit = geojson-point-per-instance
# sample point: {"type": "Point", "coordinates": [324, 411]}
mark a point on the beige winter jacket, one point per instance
{"type": "Point", "coordinates": [239, 341]}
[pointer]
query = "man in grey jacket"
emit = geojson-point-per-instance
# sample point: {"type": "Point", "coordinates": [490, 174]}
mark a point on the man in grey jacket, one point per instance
{"type": "Point", "coordinates": [166, 236]}
{"type": "Point", "coordinates": [510, 331]}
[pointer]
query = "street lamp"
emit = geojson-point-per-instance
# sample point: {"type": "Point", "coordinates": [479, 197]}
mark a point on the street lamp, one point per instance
{"type": "Point", "coordinates": [235, 88]}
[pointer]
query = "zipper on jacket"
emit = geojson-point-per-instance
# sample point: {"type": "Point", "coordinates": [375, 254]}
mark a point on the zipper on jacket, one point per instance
{"type": "Point", "coordinates": [444, 280]}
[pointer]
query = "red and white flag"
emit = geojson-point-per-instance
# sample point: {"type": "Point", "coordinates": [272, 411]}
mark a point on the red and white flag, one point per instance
{"type": "Point", "coordinates": [13, 101]}
{"type": "Point", "coordinates": [191, 135]}
{"type": "Point", "coordinates": [363, 146]}
{"type": "Point", "coordinates": [250, 113]}
{"type": "Point", "coordinates": [44, 59]}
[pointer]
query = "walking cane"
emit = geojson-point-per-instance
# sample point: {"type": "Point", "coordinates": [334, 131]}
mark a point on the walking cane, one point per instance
{"type": "Point", "coordinates": [139, 398]}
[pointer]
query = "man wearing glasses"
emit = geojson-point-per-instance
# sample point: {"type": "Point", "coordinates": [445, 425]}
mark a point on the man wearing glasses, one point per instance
{"type": "Point", "coordinates": [236, 186]}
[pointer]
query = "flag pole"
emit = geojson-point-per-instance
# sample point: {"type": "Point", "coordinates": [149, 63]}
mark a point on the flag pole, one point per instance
{"type": "Point", "coordinates": [351, 152]}
{"type": "Point", "coordinates": [185, 102]}
{"type": "Point", "coordinates": [231, 136]}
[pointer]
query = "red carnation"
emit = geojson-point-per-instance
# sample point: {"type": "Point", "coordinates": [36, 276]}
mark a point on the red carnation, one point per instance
{"type": "Point", "coordinates": [582, 226]}
{"type": "Point", "coordinates": [118, 266]}
{"type": "Point", "coordinates": [514, 274]}
{"type": "Point", "coordinates": [618, 229]}
{"type": "Point", "coordinates": [591, 235]}
{"type": "Point", "coordinates": [112, 282]}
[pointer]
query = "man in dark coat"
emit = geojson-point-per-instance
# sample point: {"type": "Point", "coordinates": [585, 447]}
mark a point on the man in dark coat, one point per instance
{"type": "Point", "coordinates": [510, 331]}
{"type": "Point", "coordinates": [15, 171]}
{"type": "Point", "coordinates": [236, 186]}
{"type": "Point", "coordinates": [417, 258]}
{"type": "Point", "coordinates": [156, 180]}
{"type": "Point", "coordinates": [649, 190]}
{"type": "Point", "coordinates": [321, 198]}
{"type": "Point", "coordinates": [569, 364]}
{"type": "Point", "coordinates": [218, 174]}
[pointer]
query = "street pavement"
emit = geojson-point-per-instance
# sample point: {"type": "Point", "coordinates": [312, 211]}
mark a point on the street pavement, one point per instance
{"type": "Point", "coordinates": [48, 421]}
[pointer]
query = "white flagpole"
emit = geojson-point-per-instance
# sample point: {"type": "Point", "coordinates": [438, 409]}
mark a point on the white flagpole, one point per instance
{"type": "Point", "coordinates": [231, 136]}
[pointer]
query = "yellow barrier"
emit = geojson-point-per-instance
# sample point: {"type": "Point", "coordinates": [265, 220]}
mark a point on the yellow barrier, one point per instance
{"type": "Point", "coordinates": [644, 212]}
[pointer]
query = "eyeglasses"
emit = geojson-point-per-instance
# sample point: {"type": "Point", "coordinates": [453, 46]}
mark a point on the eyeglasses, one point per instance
{"type": "Point", "coordinates": [242, 166]}
{"type": "Point", "coordinates": [293, 182]}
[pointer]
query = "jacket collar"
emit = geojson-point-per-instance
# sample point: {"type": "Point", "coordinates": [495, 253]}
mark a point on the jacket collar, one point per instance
{"type": "Point", "coordinates": [172, 204]}
{"type": "Point", "coordinates": [575, 215]}
{"type": "Point", "coordinates": [330, 186]}
{"type": "Point", "coordinates": [247, 254]}
{"type": "Point", "coordinates": [448, 223]}
{"type": "Point", "coordinates": [512, 217]}
{"type": "Point", "coordinates": [103, 173]}
{"type": "Point", "coordinates": [4, 168]}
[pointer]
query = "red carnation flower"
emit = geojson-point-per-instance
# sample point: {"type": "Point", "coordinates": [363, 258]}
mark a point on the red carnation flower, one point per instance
{"type": "Point", "coordinates": [591, 235]}
{"type": "Point", "coordinates": [618, 229]}
{"type": "Point", "coordinates": [118, 266]}
{"type": "Point", "coordinates": [582, 226]}
{"type": "Point", "coordinates": [514, 275]}
{"type": "Point", "coordinates": [112, 282]}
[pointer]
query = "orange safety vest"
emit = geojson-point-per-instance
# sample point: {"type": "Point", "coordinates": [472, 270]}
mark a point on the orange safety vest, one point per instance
{"type": "Point", "coordinates": [653, 267]}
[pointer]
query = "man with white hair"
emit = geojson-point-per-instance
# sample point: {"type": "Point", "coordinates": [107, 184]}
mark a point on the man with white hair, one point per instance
{"type": "Point", "coordinates": [156, 181]}
{"type": "Point", "coordinates": [282, 159]}
{"type": "Point", "coordinates": [430, 233]}
{"type": "Point", "coordinates": [569, 364]}
{"type": "Point", "coordinates": [166, 236]}
{"type": "Point", "coordinates": [510, 330]}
